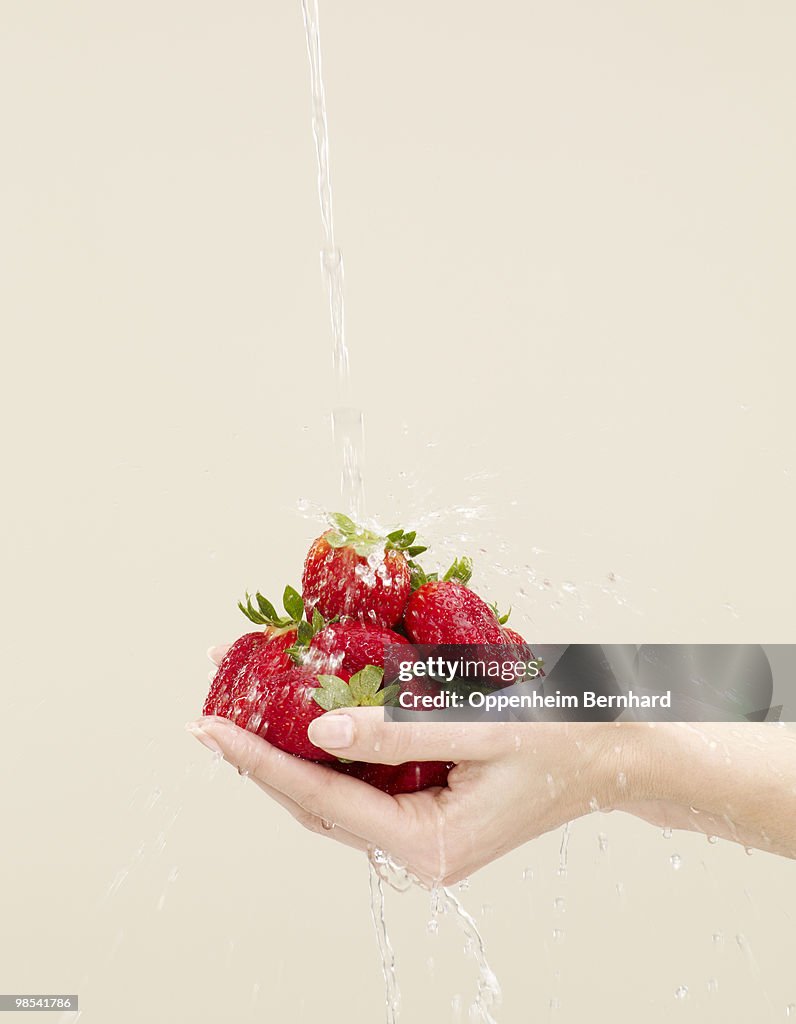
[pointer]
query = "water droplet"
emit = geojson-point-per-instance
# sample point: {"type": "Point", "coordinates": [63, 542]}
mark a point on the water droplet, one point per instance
{"type": "Point", "coordinates": [713, 839]}
{"type": "Point", "coordinates": [676, 861]}
{"type": "Point", "coordinates": [464, 885]}
{"type": "Point", "coordinates": [527, 875]}
{"type": "Point", "coordinates": [749, 851]}
{"type": "Point", "coordinates": [554, 1003]}
{"type": "Point", "coordinates": [602, 842]}
{"type": "Point", "coordinates": [790, 1010]}
{"type": "Point", "coordinates": [713, 985]}
{"type": "Point", "coordinates": [433, 926]}
{"type": "Point", "coordinates": [558, 935]}
{"type": "Point", "coordinates": [681, 992]}
{"type": "Point", "coordinates": [718, 940]}
{"type": "Point", "coordinates": [667, 833]}
{"type": "Point", "coordinates": [559, 905]}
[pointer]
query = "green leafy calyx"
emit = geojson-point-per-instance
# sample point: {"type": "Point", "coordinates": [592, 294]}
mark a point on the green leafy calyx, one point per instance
{"type": "Point", "coordinates": [502, 619]}
{"type": "Point", "coordinates": [361, 690]}
{"type": "Point", "coordinates": [418, 575]}
{"type": "Point", "coordinates": [305, 631]}
{"type": "Point", "coordinates": [261, 612]}
{"type": "Point", "coordinates": [346, 533]}
{"type": "Point", "coordinates": [399, 540]}
{"type": "Point", "coordinates": [461, 571]}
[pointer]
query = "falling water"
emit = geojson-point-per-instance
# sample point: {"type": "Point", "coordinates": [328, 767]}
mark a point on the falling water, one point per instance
{"type": "Point", "coordinates": [348, 436]}
{"type": "Point", "coordinates": [384, 869]}
{"type": "Point", "coordinates": [385, 949]}
{"type": "Point", "coordinates": [347, 422]}
{"type": "Point", "coordinates": [488, 991]}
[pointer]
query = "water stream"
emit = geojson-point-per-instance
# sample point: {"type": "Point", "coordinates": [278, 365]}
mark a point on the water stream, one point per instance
{"type": "Point", "coordinates": [383, 869]}
{"type": "Point", "coordinates": [348, 436]}
{"type": "Point", "coordinates": [348, 427]}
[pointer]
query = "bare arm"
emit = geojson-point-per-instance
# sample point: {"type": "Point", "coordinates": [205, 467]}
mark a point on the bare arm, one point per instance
{"type": "Point", "coordinates": [513, 782]}
{"type": "Point", "coordinates": [735, 781]}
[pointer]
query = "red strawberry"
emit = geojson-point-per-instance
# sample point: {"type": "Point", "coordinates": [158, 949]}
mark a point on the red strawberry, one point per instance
{"type": "Point", "coordinates": [512, 636]}
{"type": "Point", "coordinates": [230, 670]}
{"type": "Point", "coordinates": [355, 644]}
{"type": "Point", "coordinates": [259, 688]}
{"type": "Point", "coordinates": [354, 572]}
{"type": "Point", "coordinates": [400, 778]}
{"type": "Point", "coordinates": [290, 633]}
{"type": "Point", "coordinates": [446, 612]}
{"type": "Point", "coordinates": [279, 706]}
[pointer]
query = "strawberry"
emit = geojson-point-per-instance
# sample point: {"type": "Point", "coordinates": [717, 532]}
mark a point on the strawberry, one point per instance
{"type": "Point", "coordinates": [446, 611]}
{"type": "Point", "coordinates": [355, 644]}
{"type": "Point", "coordinates": [254, 690]}
{"type": "Point", "coordinates": [513, 637]}
{"type": "Point", "coordinates": [292, 631]}
{"type": "Point", "coordinates": [354, 572]}
{"type": "Point", "coordinates": [230, 670]}
{"type": "Point", "coordinates": [264, 614]}
{"type": "Point", "coordinates": [360, 645]}
{"type": "Point", "coordinates": [400, 778]}
{"type": "Point", "coordinates": [279, 706]}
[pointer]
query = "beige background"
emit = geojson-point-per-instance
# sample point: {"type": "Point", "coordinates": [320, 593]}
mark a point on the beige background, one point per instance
{"type": "Point", "coordinates": [568, 232]}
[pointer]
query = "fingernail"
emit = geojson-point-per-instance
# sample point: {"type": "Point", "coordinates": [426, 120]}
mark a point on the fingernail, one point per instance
{"type": "Point", "coordinates": [201, 735]}
{"type": "Point", "coordinates": [332, 731]}
{"type": "Point", "coordinates": [217, 652]}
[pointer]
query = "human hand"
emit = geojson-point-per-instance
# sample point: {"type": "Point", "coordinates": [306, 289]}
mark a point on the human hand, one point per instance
{"type": "Point", "coordinates": [511, 782]}
{"type": "Point", "coordinates": [514, 781]}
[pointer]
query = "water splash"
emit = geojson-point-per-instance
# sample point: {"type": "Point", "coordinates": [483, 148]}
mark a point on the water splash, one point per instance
{"type": "Point", "coordinates": [384, 869]}
{"type": "Point", "coordinates": [488, 989]}
{"type": "Point", "coordinates": [563, 851]}
{"type": "Point", "coordinates": [172, 877]}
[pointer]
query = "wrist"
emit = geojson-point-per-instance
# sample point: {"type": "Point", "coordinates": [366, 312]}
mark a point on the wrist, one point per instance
{"type": "Point", "coordinates": [631, 766]}
{"type": "Point", "coordinates": [669, 762]}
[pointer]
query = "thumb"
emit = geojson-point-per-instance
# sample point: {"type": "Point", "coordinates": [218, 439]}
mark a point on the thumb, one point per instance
{"type": "Point", "coordinates": [361, 734]}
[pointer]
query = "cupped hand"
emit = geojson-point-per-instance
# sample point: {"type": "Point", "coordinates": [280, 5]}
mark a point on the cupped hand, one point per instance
{"type": "Point", "coordinates": [511, 782]}
{"type": "Point", "coordinates": [514, 781]}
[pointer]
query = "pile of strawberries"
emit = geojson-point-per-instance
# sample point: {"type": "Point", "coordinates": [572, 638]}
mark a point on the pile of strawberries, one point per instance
{"type": "Point", "coordinates": [360, 593]}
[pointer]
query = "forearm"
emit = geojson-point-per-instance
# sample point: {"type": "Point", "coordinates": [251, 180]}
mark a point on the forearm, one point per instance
{"type": "Point", "coordinates": [733, 780]}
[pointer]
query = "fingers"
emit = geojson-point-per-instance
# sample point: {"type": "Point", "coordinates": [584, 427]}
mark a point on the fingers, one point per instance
{"type": "Point", "coordinates": [361, 734]}
{"type": "Point", "coordinates": [216, 654]}
{"type": "Point", "coordinates": [355, 806]}
{"type": "Point", "coordinates": [311, 821]}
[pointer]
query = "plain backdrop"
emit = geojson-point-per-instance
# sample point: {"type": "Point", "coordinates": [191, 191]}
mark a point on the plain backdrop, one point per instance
{"type": "Point", "coordinates": [568, 232]}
